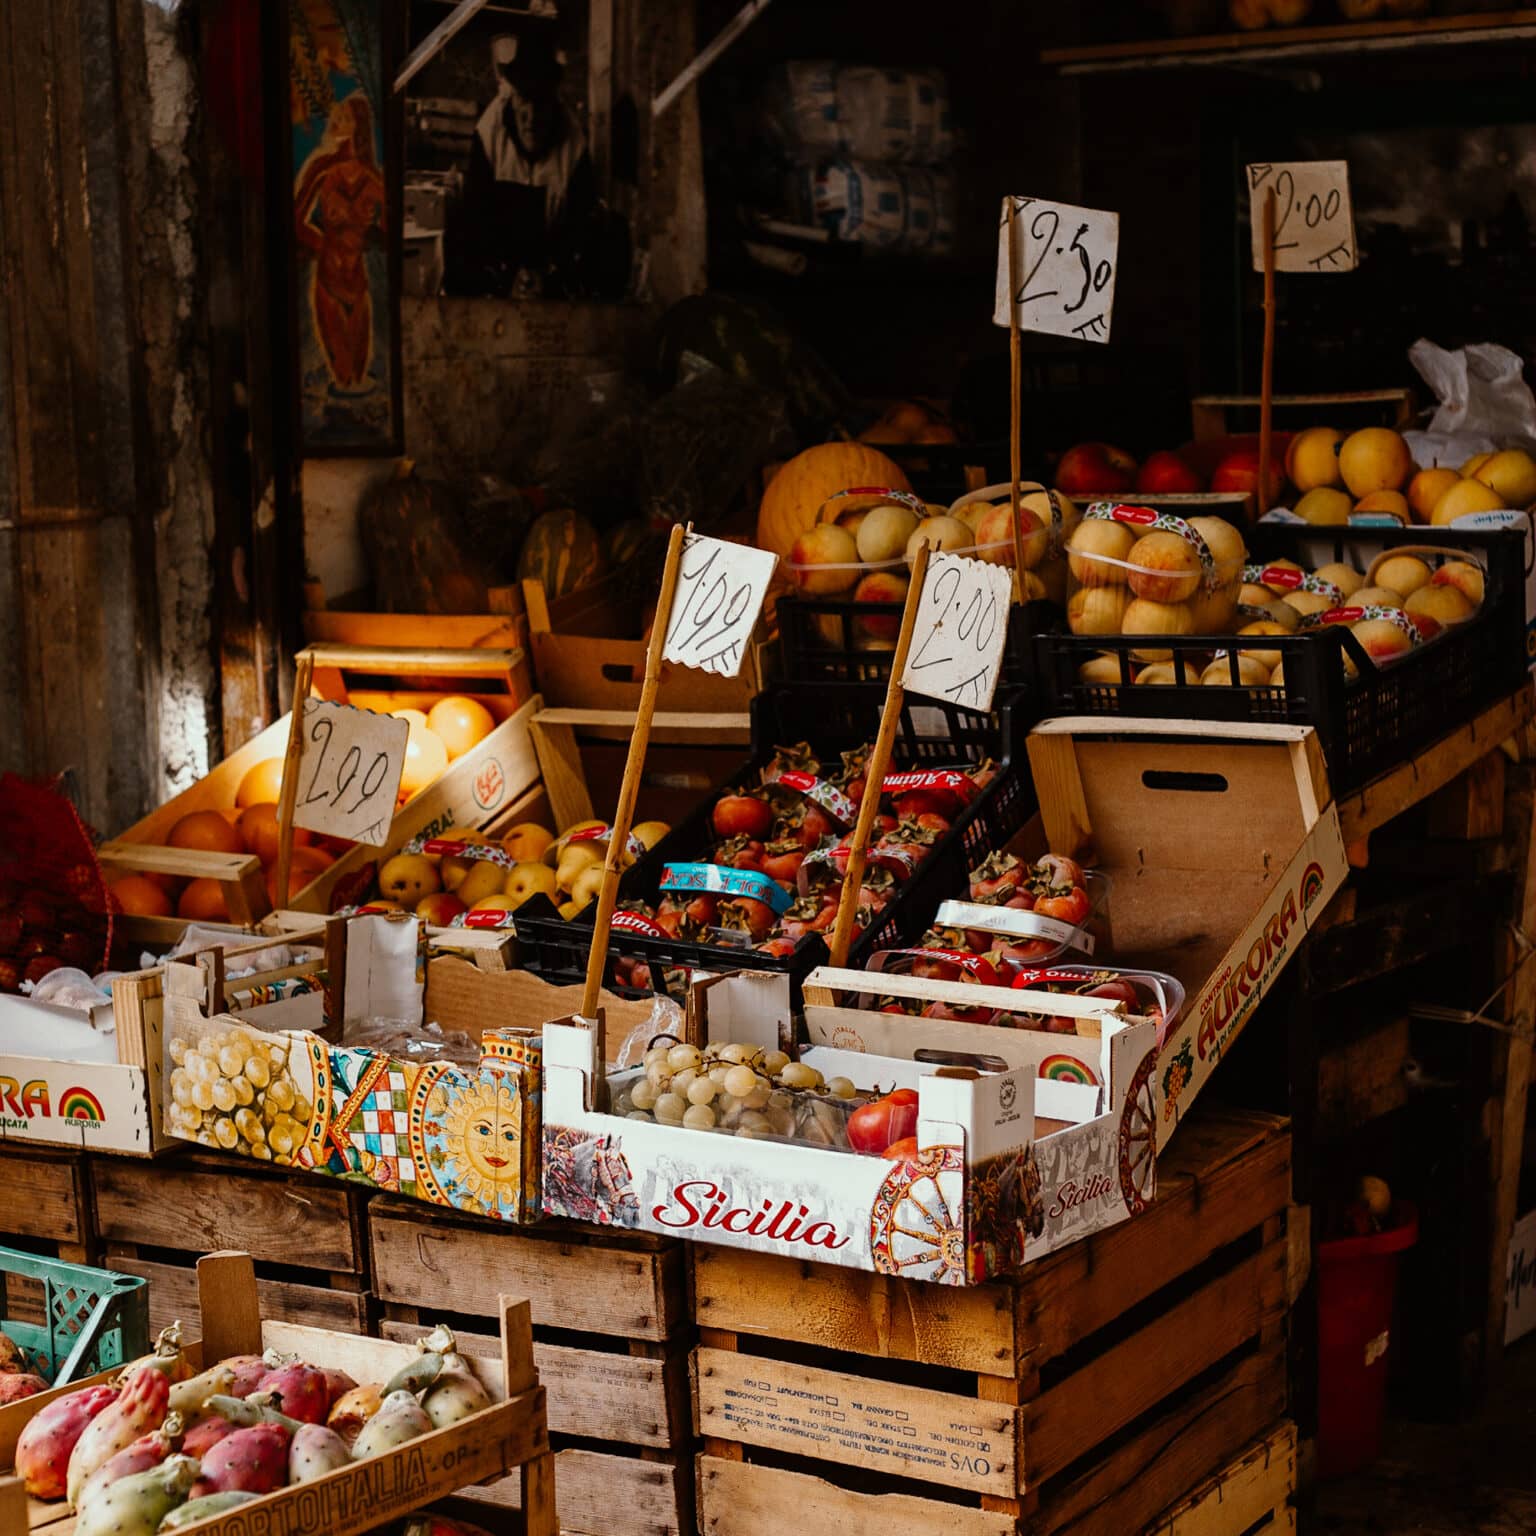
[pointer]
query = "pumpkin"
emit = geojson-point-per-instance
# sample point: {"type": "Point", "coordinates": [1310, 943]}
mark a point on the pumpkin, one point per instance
{"type": "Point", "coordinates": [562, 551]}
{"type": "Point", "coordinates": [795, 494]}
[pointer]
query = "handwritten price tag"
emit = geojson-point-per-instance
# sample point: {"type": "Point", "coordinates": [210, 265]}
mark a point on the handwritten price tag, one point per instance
{"type": "Point", "coordinates": [720, 590]}
{"type": "Point", "coordinates": [960, 631]}
{"type": "Point", "coordinates": [1066, 262]}
{"type": "Point", "coordinates": [1314, 218]}
{"type": "Point", "coordinates": [349, 771]}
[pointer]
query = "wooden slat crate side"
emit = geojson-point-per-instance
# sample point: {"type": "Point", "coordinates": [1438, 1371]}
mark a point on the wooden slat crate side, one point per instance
{"type": "Point", "coordinates": [1260, 1482]}
{"type": "Point", "coordinates": [45, 1196]}
{"type": "Point", "coordinates": [601, 1495]}
{"type": "Point", "coordinates": [595, 1394]}
{"type": "Point", "coordinates": [630, 1292]}
{"type": "Point", "coordinates": [968, 1329]}
{"type": "Point", "coordinates": [173, 1297]}
{"type": "Point", "coordinates": [280, 1219]}
{"type": "Point", "coordinates": [739, 1499]}
{"type": "Point", "coordinates": [1175, 1449]}
{"type": "Point", "coordinates": [1118, 1387]}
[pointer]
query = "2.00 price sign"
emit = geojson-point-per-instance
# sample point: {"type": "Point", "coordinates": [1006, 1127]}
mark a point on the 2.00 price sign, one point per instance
{"type": "Point", "coordinates": [1314, 218]}
{"type": "Point", "coordinates": [350, 762]}
{"type": "Point", "coordinates": [960, 631]}
{"type": "Point", "coordinates": [720, 591]}
{"type": "Point", "coordinates": [1066, 258]}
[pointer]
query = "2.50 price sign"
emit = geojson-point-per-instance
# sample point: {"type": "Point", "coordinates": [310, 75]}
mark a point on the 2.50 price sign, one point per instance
{"type": "Point", "coordinates": [1065, 259]}
{"type": "Point", "coordinates": [350, 762]}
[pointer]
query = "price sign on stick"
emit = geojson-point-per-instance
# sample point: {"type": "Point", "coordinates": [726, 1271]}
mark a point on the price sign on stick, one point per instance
{"type": "Point", "coordinates": [1314, 218]}
{"type": "Point", "coordinates": [960, 631]}
{"type": "Point", "coordinates": [1065, 258]}
{"type": "Point", "coordinates": [720, 591]}
{"type": "Point", "coordinates": [349, 767]}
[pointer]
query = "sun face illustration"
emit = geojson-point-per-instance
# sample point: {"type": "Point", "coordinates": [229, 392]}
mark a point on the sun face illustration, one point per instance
{"type": "Point", "coordinates": [480, 1137]}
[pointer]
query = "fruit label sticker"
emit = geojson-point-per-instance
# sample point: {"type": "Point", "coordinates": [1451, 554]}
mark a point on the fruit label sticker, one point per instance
{"type": "Point", "coordinates": [724, 881]}
{"type": "Point", "coordinates": [350, 761]}
{"type": "Point", "coordinates": [720, 591]}
{"type": "Point", "coordinates": [1314, 218]}
{"type": "Point", "coordinates": [1013, 922]}
{"type": "Point", "coordinates": [637, 922]}
{"type": "Point", "coordinates": [828, 796]}
{"type": "Point", "coordinates": [960, 632]}
{"type": "Point", "coordinates": [1065, 257]}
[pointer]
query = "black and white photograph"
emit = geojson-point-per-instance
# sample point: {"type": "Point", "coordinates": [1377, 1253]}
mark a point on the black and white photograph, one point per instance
{"type": "Point", "coordinates": [502, 196]}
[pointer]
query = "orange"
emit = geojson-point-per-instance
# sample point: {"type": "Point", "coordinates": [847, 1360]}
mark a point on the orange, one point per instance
{"type": "Point", "coordinates": [139, 896]}
{"type": "Point", "coordinates": [207, 831]}
{"type": "Point", "coordinates": [263, 782]}
{"type": "Point", "coordinates": [258, 827]}
{"type": "Point", "coordinates": [303, 867]}
{"type": "Point", "coordinates": [425, 754]}
{"type": "Point", "coordinates": [203, 901]}
{"type": "Point", "coordinates": [460, 722]}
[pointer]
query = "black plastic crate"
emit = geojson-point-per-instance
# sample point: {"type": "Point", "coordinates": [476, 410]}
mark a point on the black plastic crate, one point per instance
{"type": "Point", "coordinates": [832, 718]}
{"type": "Point", "coordinates": [1367, 724]}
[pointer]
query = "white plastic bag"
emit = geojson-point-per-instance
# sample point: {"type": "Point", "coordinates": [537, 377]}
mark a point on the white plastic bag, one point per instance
{"type": "Point", "coordinates": [1485, 403]}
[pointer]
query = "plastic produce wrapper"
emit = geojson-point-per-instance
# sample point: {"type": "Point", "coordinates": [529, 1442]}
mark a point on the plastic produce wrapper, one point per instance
{"type": "Point", "coordinates": [1485, 403]}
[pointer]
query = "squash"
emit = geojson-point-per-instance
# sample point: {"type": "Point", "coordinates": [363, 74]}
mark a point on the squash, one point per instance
{"type": "Point", "coordinates": [562, 551]}
{"type": "Point", "coordinates": [795, 494]}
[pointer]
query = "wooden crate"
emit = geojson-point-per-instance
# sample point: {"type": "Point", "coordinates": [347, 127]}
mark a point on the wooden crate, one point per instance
{"type": "Point", "coordinates": [47, 1205]}
{"type": "Point", "coordinates": [611, 1341]}
{"type": "Point", "coordinates": [1250, 1496]}
{"type": "Point", "coordinates": [1211, 415]}
{"type": "Point", "coordinates": [1083, 1396]}
{"type": "Point", "coordinates": [306, 1234]}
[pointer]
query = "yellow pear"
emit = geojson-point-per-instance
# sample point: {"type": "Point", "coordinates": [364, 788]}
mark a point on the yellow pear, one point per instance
{"type": "Point", "coordinates": [532, 877]}
{"type": "Point", "coordinates": [1464, 497]}
{"type": "Point", "coordinates": [1512, 474]}
{"type": "Point", "coordinates": [484, 879]}
{"type": "Point", "coordinates": [408, 877]}
{"type": "Point", "coordinates": [1374, 459]}
{"type": "Point", "coordinates": [1312, 460]}
{"type": "Point", "coordinates": [1324, 507]}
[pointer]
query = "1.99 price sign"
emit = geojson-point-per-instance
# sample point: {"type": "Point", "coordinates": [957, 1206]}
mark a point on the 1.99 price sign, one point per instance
{"type": "Point", "coordinates": [720, 591]}
{"type": "Point", "coordinates": [350, 762]}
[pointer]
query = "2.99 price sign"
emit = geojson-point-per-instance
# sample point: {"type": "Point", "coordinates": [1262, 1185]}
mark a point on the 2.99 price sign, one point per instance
{"type": "Point", "coordinates": [720, 591]}
{"type": "Point", "coordinates": [960, 632]}
{"type": "Point", "coordinates": [1065, 258]}
{"type": "Point", "coordinates": [350, 762]}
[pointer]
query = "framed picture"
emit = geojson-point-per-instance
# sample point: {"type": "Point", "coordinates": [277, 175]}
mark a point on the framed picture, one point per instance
{"type": "Point", "coordinates": [504, 193]}
{"type": "Point", "coordinates": [343, 133]}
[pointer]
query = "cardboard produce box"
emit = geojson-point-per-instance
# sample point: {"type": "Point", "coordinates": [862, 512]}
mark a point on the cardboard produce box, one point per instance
{"type": "Point", "coordinates": [1224, 847]}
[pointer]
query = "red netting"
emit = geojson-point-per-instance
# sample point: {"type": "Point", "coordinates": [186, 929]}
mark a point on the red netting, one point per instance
{"type": "Point", "coordinates": [54, 908]}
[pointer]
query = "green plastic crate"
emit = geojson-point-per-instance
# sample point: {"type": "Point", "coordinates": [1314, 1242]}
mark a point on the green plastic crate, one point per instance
{"type": "Point", "coordinates": [94, 1319]}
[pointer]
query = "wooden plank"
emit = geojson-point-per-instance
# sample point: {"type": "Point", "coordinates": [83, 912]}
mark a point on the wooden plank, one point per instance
{"type": "Point", "coordinates": [593, 1393]}
{"type": "Point", "coordinates": [605, 1495]}
{"type": "Point", "coordinates": [44, 1195]}
{"type": "Point", "coordinates": [1472, 804]}
{"type": "Point", "coordinates": [859, 1421]}
{"type": "Point", "coordinates": [277, 1219]}
{"type": "Point", "coordinates": [1361, 1079]}
{"type": "Point", "coordinates": [173, 1296]}
{"type": "Point", "coordinates": [1173, 1451]}
{"type": "Point", "coordinates": [1111, 1392]}
{"type": "Point", "coordinates": [1259, 1482]}
{"type": "Point", "coordinates": [1361, 812]}
{"type": "Point", "coordinates": [592, 1286]}
{"type": "Point", "coordinates": [407, 660]}
{"type": "Point", "coordinates": [739, 1499]}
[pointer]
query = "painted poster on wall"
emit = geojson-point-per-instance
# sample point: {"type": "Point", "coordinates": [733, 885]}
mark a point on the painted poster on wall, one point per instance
{"type": "Point", "coordinates": [345, 277]}
{"type": "Point", "coordinates": [503, 191]}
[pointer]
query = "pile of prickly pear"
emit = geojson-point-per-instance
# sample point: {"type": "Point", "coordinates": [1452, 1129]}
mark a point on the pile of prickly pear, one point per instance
{"type": "Point", "coordinates": [16, 1381]}
{"type": "Point", "coordinates": [159, 1449]}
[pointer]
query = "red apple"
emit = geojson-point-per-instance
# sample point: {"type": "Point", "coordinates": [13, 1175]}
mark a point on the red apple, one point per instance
{"type": "Point", "coordinates": [1166, 473]}
{"type": "Point", "coordinates": [1239, 471]}
{"type": "Point", "coordinates": [439, 909]}
{"type": "Point", "coordinates": [1095, 469]}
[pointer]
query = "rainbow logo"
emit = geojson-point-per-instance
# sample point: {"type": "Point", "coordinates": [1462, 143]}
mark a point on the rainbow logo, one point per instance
{"type": "Point", "coordinates": [1311, 885]}
{"type": "Point", "coordinates": [1068, 1069]}
{"type": "Point", "coordinates": [81, 1104]}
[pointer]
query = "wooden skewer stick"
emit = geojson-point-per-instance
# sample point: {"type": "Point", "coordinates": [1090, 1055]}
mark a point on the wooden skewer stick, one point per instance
{"type": "Point", "coordinates": [879, 760]}
{"type": "Point", "coordinates": [629, 789]}
{"type": "Point", "coordinates": [304, 677]}
{"type": "Point", "coordinates": [1015, 390]}
{"type": "Point", "coordinates": [1267, 378]}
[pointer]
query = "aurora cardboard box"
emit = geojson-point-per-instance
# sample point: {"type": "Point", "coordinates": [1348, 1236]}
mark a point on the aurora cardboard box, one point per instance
{"type": "Point", "coordinates": [967, 1208]}
{"type": "Point", "coordinates": [1224, 847]}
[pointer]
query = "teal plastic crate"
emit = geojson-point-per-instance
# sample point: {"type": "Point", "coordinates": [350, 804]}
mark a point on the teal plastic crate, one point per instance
{"type": "Point", "coordinates": [92, 1319]}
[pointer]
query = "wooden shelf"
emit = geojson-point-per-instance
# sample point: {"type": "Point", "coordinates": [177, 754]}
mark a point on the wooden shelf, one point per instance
{"type": "Point", "coordinates": [1235, 49]}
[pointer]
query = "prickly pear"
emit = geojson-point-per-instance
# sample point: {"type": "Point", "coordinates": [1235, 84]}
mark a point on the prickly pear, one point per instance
{"type": "Point", "coordinates": [338, 1384]}
{"type": "Point", "coordinates": [353, 1409]}
{"type": "Point", "coordinates": [145, 1452]}
{"type": "Point", "coordinates": [430, 1524]}
{"type": "Point", "coordinates": [44, 1446]}
{"type": "Point", "coordinates": [15, 1385]}
{"type": "Point", "coordinates": [195, 1510]}
{"type": "Point", "coordinates": [11, 1357]}
{"type": "Point", "coordinates": [302, 1391]}
{"type": "Point", "coordinates": [315, 1450]}
{"type": "Point", "coordinates": [206, 1434]}
{"type": "Point", "coordinates": [188, 1398]}
{"type": "Point", "coordinates": [453, 1396]}
{"type": "Point", "coordinates": [416, 1375]}
{"type": "Point", "coordinates": [248, 1371]}
{"type": "Point", "coordinates": [140, 1407]}
{"type": "Point", "coordinates": [254, 1460]}
{"type": "Point", "coordinates": [135, 1506]}
{"type": "Point", "coordinates": [400, 1418]}
{"type": "Point", "coordinates": [166, 1356]}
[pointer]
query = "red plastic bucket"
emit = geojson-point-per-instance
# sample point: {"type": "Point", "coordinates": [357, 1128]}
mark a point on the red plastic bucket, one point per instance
{"type": "Point", "coordinates": [1356, 1281]}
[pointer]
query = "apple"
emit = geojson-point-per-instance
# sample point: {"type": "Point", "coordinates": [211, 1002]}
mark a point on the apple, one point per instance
{"type": "Point", "coordinates": [588, 884]}
{"type": "Point", "coordinates": [1167, 473]}
{"type": "Point", "coordinates": [1381, 639]}
{"type": "Point", "coordinates": [1095, 469]}
{"type": "Point", "coordinates": [1445, 605]}
{"type": "Point", "coordinates": [1461, 574]}
{"type": "Point", "coordinates": [1097, 552]}
{"type": "Point", "coordinates": [1403, 573]}
{"type": "Point", "coordinates": [439, 909]}
{"type": "Point", "coordinates": [824, 560]}
{"type": "Point", "coordinates": [1239, 471]}
{"type": "Point", "coordinates": [880, 587]}
{"type": "Point", "coordinates": [408, 877]}
{"type": "Point", "coordinates": [994, 536]}
{"type": "Point", "coordinates": [532, 877]}
{"type": "Point", "coordinates": [884, 533]}
{"type": "Point", "coordinates": [943, 532]}
{"type": "Point", "coordinates": [650, 832]}
{"type": "Point", "coordinates": [1165, 568]}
